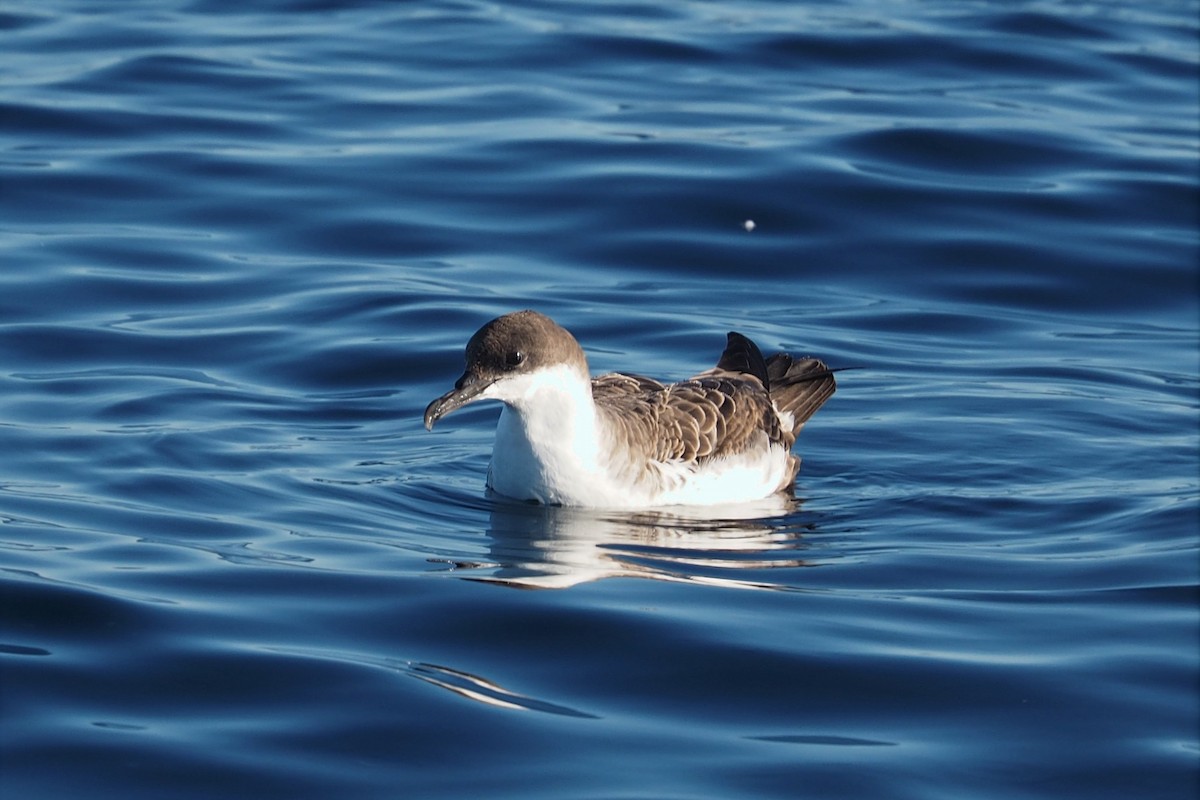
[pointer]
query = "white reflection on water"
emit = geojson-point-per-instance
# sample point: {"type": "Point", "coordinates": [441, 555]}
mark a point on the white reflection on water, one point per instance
{"type": "Point", "coordinates": [541, 547]}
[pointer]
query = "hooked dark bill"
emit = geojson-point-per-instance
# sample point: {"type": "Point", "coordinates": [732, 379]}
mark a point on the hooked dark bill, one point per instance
{"type": "Point", "coordinates": [466, 389]}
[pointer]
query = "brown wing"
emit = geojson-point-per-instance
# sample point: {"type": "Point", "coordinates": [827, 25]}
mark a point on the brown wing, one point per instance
{"type": "Point", "coordinates": [799, 386]}
{"type": "Point", "coordinates": [707, 417]}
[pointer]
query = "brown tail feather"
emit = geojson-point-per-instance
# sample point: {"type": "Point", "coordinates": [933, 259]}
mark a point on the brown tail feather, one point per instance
{"type": "Point", "coordinates": [743, 355]}
{"type": "Point", "coordinates": [799, 386]}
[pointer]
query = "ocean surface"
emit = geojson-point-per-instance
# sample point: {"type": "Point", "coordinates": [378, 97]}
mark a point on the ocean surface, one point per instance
{"type": "Point", "coordinates": [242, 246]}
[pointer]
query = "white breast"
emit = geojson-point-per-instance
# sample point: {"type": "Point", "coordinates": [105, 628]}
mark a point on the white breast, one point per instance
{"type": "Point", "coordinates": [548, 464]}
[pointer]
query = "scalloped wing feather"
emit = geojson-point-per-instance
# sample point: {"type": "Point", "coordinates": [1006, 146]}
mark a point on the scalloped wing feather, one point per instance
{"type": "Point", "coordinates": [692, 421]}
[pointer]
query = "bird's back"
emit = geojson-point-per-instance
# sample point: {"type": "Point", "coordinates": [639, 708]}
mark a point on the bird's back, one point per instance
{"type": "Point", "coordinates": [746, 408]}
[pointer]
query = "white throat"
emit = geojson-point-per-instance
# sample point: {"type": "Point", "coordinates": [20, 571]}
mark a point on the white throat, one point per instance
{"type": "Point", "coordinates": [548, 442]}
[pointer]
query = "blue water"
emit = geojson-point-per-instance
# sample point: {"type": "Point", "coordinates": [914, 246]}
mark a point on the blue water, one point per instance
{"type": "Point", "coordinates": [243, 244]}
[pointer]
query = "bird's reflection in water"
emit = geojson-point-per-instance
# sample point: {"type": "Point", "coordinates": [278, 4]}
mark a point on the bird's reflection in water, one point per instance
{"type": "Point", "coordinates": [548, 547]}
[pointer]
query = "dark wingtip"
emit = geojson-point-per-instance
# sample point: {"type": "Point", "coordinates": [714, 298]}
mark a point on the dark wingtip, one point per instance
{"type": "Point", "coordinates": [743, 355]}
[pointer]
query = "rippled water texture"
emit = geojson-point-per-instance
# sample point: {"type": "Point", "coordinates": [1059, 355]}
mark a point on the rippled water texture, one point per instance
{"type": "Point", "coordinates": [243, 244]}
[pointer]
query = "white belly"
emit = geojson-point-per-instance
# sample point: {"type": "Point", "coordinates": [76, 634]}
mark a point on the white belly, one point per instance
{"type": "Point", "coordinates": [529, 466]}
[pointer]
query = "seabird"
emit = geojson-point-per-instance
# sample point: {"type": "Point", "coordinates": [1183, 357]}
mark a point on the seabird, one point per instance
{"type": "Point", "coordinates": [626, 441]}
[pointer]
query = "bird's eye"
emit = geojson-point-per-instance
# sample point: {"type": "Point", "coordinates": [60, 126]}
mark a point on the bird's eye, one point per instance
{"type": "Point", "coordinates": [514, 358]}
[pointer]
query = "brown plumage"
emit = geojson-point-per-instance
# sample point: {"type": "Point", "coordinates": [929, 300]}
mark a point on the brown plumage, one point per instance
{"type": "Point", "coordinates": [705, 417]}
{"type": "Point", "coordinates": [627, 441]}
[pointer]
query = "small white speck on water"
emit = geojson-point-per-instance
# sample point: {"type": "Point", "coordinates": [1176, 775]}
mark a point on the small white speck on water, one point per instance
{"type": "Point", "coordinates": [748, 225]}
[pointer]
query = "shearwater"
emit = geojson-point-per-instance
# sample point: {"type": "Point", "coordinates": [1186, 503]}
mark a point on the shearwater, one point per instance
{"type": "Point", "coordinates": [626, 441]}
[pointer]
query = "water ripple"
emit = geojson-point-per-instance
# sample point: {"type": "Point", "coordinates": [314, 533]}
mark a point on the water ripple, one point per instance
{"type": "Point", "coordinates": [243, 247]}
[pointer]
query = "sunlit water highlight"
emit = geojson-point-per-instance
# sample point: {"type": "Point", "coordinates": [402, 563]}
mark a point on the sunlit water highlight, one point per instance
{"type": "Point", "coordinates": [242, 246]}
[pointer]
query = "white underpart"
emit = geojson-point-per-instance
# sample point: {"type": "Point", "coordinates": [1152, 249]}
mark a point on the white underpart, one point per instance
{"type": "Point", "coordinates": [547, 441]}
{"type": "Point", "coordinates": [552, 446]}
